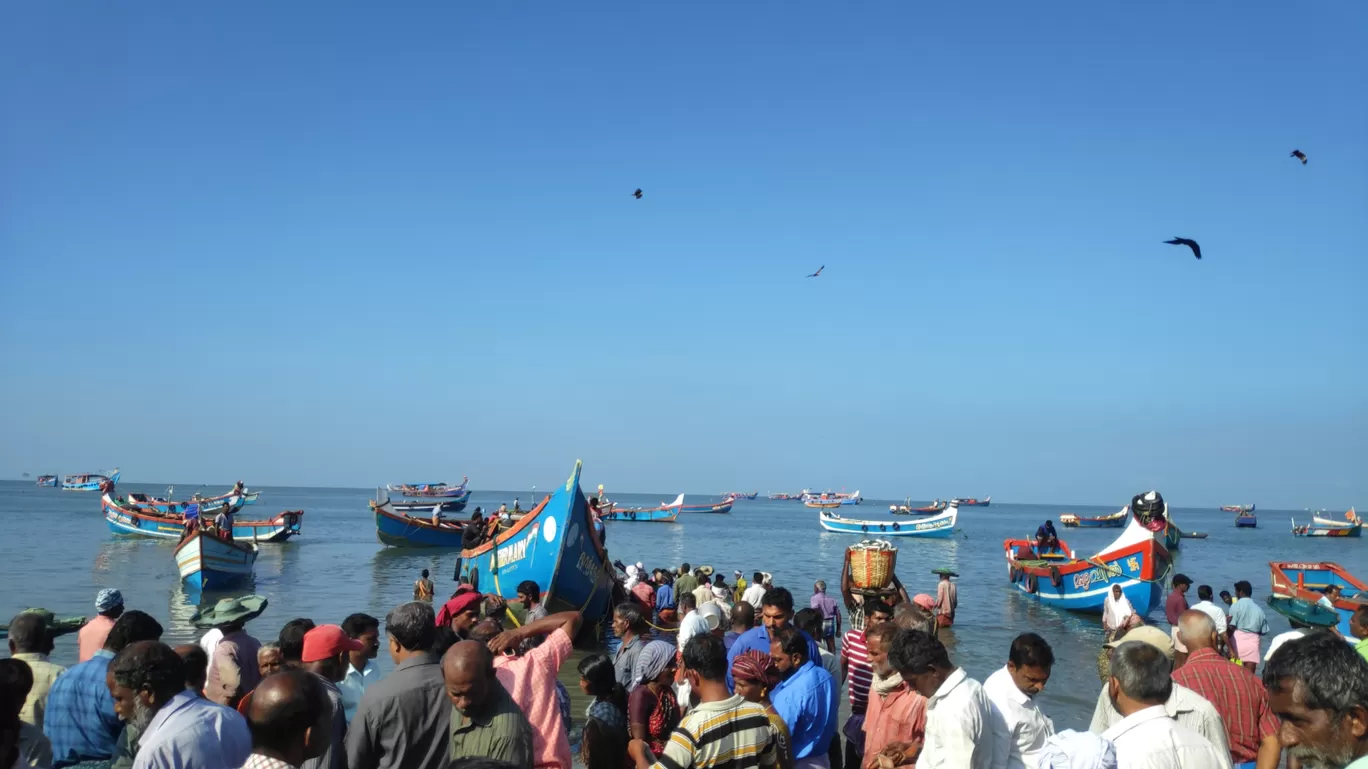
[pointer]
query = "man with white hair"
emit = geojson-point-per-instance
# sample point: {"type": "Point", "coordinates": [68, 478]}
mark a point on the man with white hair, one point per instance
{"type": "Point", "coordinates": [1146, 737]}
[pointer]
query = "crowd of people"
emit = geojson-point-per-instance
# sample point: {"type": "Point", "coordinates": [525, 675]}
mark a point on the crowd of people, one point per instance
{"type": "Point", "coordinates": [699, 673]}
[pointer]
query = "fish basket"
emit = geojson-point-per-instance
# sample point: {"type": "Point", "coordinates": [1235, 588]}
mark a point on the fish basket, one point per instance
{"type": "Point", "coordinates": [872, 568]}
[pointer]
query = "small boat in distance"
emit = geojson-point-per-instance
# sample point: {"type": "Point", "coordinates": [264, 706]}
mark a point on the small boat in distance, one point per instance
{"type": "Point", "coordinates": [661, 514]}
{"type": "Point", "coordinates": [972, 502]}
{"type": "Point", "coordinates": [906, 508]}
{"type": "Point", "coordinates": [781, 496]}
{"type": "Point", "coordinates": [426, 507]}
{"type": "Point", "coordinates": [399, 529]}
{"type": "Point", "coordinates": [207, 562]}
{"type": "Point", "coordinates": [1114, 521]}
{"type": "Point", "coordinates": [724, 506]}
{"type": "Point", "coordinates": [1246, 520]}
{"type": "Point", "coordinates": [843, 498]}
{"type": "Point", "coordinates": [942, 525]}
{"type": "Point", "coordinates": [457, 491]}
{"type": "Point", "coordinates": [89, 481]}
{"type": "Point", "coordinates": [741, 495]}
{"type": "Point", "coordinates": [47, 480]}
{"type": "Point", "coordinates": [1308, 581]}
{"type": "Point", "coordinates": [1237, 508]}
{"type": "Point", "coordinates": [1326, 527]}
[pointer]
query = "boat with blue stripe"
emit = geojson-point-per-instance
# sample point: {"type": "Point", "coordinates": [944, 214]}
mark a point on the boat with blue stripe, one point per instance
{"type": "Point", "coordinates": [207, 562]}
{"type": "Point", "coordinates": [47, 480]}
{"type": "Point", "coordinates": [89, 481]}
{"type": "Point", "coordinates": [433, 490]}
{"type": "Point", "coordinates": [126, 519]}
{"type": "Point", "coordinates": [1246, 521]}
{"type": "Point", "coordinates": [1350, 527]}
{"type": "Point", "coordinates": [725, 506]}
{"type": "Point", "coordinates": [662, 514]}
{"type": "Point", "coordinates": [940, 525]}
{"type": "Point", "coordinates": [233, 499]}
{"type": "Point", "coordinates": [397, 528]}
{"type": "Point", "coordinates": [553, 545]}
{"type": "Point", "coordinates": [1308, 581]}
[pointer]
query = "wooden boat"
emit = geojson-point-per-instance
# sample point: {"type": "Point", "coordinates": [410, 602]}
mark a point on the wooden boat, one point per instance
{"type": "Point", "coordinates": [424, 508]}
{"type": "Point", "coordinates": [57, 626]}
{"type": "Point", "coordinates": [851, 498]}
{"type": "Point", "coordinates": [1237, 508]}
{"type": "Point", "coordinates": [724, 506]}
{"type": "Point", "coordinates": [234, 499]}
{"type": "Point", "coordinates": [779, 496]}
{"type": "Point", "coordinates": [1307, 580]}
{"type": "Point", "coordinates": [127, 520]}
{"type": "Point", "coordinates": [1246, 521]}
{"type": "Point", "coordinates": [662, 514]}
{"type": "Point", "coordinates": [906, 508]}
{"type": "Point", "coordinates": [398, 529]}
{"type": "Point", "coordinates": [458, 491]}
{"type": "Point", "coordinates": [972, 502]}
{"type": "Point", "coordinates": [89, 481]}
{"type": "Point", "coordinates": [554, 545]}
{"type": "Point", "coordinates": [1114, 521]}
{"type": "Point", "coordinates": [828, 504]}
{"type": "Point", "coordinates": [942, 525]}
{"type": "Point", "coordinates": [207, 562]}
{"type": "Point", "coordinates": [1137, 560]}
{"type": "Point", "coordinates": [47, 480]}
{"type": "Point", "coordinates": [1301, 613]}
{"type": "Point", "coordinates": [1351, 526]}
{"type": "Point", "coordinates": [742, 495]}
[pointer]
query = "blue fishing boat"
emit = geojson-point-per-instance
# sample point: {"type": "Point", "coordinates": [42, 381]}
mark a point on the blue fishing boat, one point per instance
{"type": "Point", "coordinates": [47, 480]}
{"type": "Point", "coordinates": [1308, 581]}
{"type": "Point", "coordinates": [124, 518]}
{"type": "Point", "coordinates": [207, 562]}
{"type": "Point", "coordinates": [89, 481]}
{"type": "Point", "coordinates": [233, 499]}
{"type": "Point", "coordinates": [425, 490]}
{"type": "Point", "coordinates": [662, 514]}
{"type": "Point", "coordinates": [1137, 560]}
{"type": "Point", "coordinates": [724, 506]}
{"type": "Point", "coordinates": [553, 545]}
{"type": "Point", "coordinates": [424, 507]}
{"type": "Point", "coordinates": [742, 495]}
{"type": "Point", "coordinates": [1351, 527]}
{"type": "Point", "coordinates": [1246, 521]}
{"type": "Point", "coordinates": [940, 525]}
{"type": "Point", "coordinates": [1114, 521]}
{"type": "Point", "coordinates": [399, 529]}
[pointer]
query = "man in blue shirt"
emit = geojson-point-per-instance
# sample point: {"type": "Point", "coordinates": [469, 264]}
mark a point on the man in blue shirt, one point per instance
{"type": "Point", "coordinates": [80, 721]}
{"type": "Point", "coordinates": [776, 611]}
{"type": "Point", "coordinates": [807, 699]}
{"type": "Point", "coordinates": [665, 597]}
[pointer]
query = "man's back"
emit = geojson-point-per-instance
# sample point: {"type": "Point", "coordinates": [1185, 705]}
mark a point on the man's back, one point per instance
{"type": "Point", "coordinates": [80, 720]}
{"type": "Point", "coordinates": [731, 733]}
{"type": "Point", "coordinates": [1150, 739]}
{"type": "Point", "coordinates": [189, 731]}
{"type": "Point", "coordinates": [531, 681]}
{"type": "Point", "coordinates": [403, 720]}
{"type": "Point", "coordinates": [1238, 696]}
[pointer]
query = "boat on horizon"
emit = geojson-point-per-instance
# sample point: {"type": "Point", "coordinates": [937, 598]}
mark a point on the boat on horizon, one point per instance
{"type": "Point", "coordinates": [942, 525]}
{"type": "Point", "coordinates": [1246, 520]}
{"type": "Point", "coordinates": [46, 480]}
{"type": "Point", "coordinates": [1351, 526]}
{"type": "Point", "coordinates": [397, 528]}
{"type": "Point", "coordinates": [906, 508]}
{"type": "Point", "coordinates": [207, 562]}
{"type": "Point", "coordinates": [444, 490]}
{"type": "Point", "coordinates": [554, 545]}
{"type": "Point", "coordinates": [1308, 580]}
{"type": "Point", "coordinates": [782, 496]}
{"type": "Point", "coordinates": [1113, 521]}
{"type": "Point", "coordinates": [1137, 560]}
{"type": "Point", "coordinates": [741, 495]}
{"type": "Point", "coordinates": [972, 502]}
{"type": "Point", "coordinates": [1237, 508]}
{"type": "Point", "coordinates": [725, 506]}
{"type": "Point", "coordinates": [89, 481]}
{"type": "Point", "coordinates": [662, 513]}
{"type": "Point", "coordinates": [125, 520]}
{"type": "Point", "coordinates": [841, 498]}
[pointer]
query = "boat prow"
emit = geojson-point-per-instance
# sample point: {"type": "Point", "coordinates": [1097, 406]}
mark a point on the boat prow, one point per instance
{"type": "Point", "coordinates": [1308, 580]}
{"type": "Point", "coordinates": [207, 562]}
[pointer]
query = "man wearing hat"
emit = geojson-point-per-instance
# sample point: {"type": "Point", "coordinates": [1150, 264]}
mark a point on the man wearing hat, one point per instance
{"type": "Point", "coordinates": [461, 611]}
{"type": "Point", "coordinates": [233, 667]}
{"type": "Point", "coordinates": [1184, 705]}
{"type": "Point", "coordinates": [327, 654]}
{"type": "Point", "coordinates": [109, 605]}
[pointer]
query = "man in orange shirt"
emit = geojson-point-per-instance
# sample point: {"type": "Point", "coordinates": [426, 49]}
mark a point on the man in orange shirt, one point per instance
{"type": "Point", "coordinates": [530, 679]}
{"type": "Point", "coordinates": [109, 606]}
{"type": "Point", "coordinates": [895, 722]}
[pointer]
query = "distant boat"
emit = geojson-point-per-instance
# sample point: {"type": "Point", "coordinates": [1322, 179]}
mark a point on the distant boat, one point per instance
{"type": "Point", "coordinates": [724, 506]}
{"type": "Point", "coordinates": [823, 504]}
{"type": "Point", "coordinates": [662, 514]}
{"type": "Point", "coordinates": [457, 491]}
{"type": "Point", "coordinates": [1352, 526]}
{"type": "Point", "coordinates": [89, 481]}
{"type": "Point", "coordinates": [1308, 580]}
{"type": "Point", "coordinates": [780, 496]}
{"type": "Point", "coordinates": [906, 508]}
{"type": "Point", "coordinates": [206, 562]}
{"type": "Point", "coordinates": [425, 507]}
{"type": "Point", "coordinates": [126, 520]}
{"type": "Point", "coordinates": [398, 529]}
{"type": "Point", "coordinates": [1114, 521]}
{"type": "Point", "coordinates": [47, 480]}
{"type": "Point", "coordinates": [742, 495]}
{"type": "Point", "coordinates": [1247, 521]}
{"type": "Point", "coordinates": [972, 502]}
{"type": "Point", "coordinates": [235, 498]}
{"type": "Point", "coordinates": [942, 525]}
{"type": "Point", "coordinates": [840, 498]}
{"type": "Point", "coordinates": [1237, 508]}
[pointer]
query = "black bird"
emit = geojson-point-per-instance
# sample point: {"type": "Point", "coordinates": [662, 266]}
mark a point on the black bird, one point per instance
{"type": "Point", "coordinates": [1299, 155]}
{"type": "Point", "coordinates": [818, 273]}
{"type": "Point", "coordinates": [1190, 243]}
{"type": "Point", "coordinates": [637, 194]}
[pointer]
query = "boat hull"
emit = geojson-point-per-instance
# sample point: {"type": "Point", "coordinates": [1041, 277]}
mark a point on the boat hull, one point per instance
{"type": "Point", "coordinates": [939, 526]}
{"type": "Point", "coordinates": [206, 562]}
{"type": "Point", "coordinates": [1351, 532]}
{"type": "Point", "coordinates": [1246, 522]}
{"type": "Point", "coordinates": [974, 502]}
{"type": "Point", "coordinates": [126, 522]}
{"type": "Point", "coordinates": [421, 508]}
{"type": "Point", "coordinates": [720, 507]}
{"type": "Point", "coordinates": [555, 546]}
{"type": "Point", "coordinates": [431, 491]}
{"type": "Point", "coordinates": [653, 515]}
{"type": "Point", "coordinates": [395, 529]}
{"type": "Point", "coordinates": [93, 482]}
{"type": "Point", "coordinates": [1116, 520]}
{"type": "Point", "coordinates": [47, 480]}
{"type": "Point", "coordinates": [1308, 580]}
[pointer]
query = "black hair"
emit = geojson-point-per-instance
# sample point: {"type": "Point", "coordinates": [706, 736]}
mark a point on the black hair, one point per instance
{"type": "Point", "coordinates": [597, 670]}
{"type": "Point", "coordinates": [877, 607]}
{"type": "Point", "coordinates": [1143, 672]}
{"type": "Point", "coordinates": [743, 615]}
{"type": "Point", "coordinates": [791, 640]}
{"type": "Point", "coordinates": [1333, 676]}
{"type": "Point", "coordinates": [758, 578]}
{"type": "Point", "coordinates": [196, 666]}
{"type": "Point", "coordinates": [718, 579]}
{"type": "Point", "coordinates": [1204, 592]}
{"type": "Point", "coordinates": [357, 624]}
{"type": "Point", "coordinates": [444, 639]}
{"type": "Point", "coordinates": [1243, 587]}
{"type": "Point", "coordinates": [485, 630]}
{"type": "Point", "coordinates": [1030, 650]}
{"type": "Point", "coordinates": [631, 614]}
{"type": "Point", "coordinates": [1225, 593]}
{"type": "Point", "coordinates": [413, 625]}
{"type": "Point", "coordinates": [706, 655]}
{"type": "Point", "coordinates": [291, 640]}
{"type": "Point", "coordinates": [150, 665]}
{"type": "Point", "coordinates": [529, 588]}
{"type": "Point", "coordinates": [686, 601]}
{"type": "Point", "coordinates": [1181, 579]}
{"type": "Point", "coordinates": [780, 598]}
{"type": "Point", "coordinates": [29, 633]}
{"type": "Point", "coordinates": [285, 721]}
{"type": "Point", "coordinates": [1360, 616]}
{"type": "Point", "coordinates": [425, 573]}
{"type": "Point", "coordinates": [809, 621]}
{"type": "Point", "coordinates": [684, 567]}
{"type": "Point", "coordinates": [132, 627]}
{"type": "Point", "coordinates": [914, 652]}
{"type": "Point", "coordinates": [16, 680]}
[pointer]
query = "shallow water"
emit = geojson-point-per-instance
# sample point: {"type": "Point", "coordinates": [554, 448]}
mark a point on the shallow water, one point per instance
{"type": "Point", "coordinates": [58, 552]}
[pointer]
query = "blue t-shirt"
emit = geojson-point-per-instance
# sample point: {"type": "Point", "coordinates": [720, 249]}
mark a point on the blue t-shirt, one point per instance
{"type": "Point", "coordinates": [664, 598]}
{"type": "Point", "coordinates": [809, 704]}
{"type": "Point", "coordinates": [757, 639]}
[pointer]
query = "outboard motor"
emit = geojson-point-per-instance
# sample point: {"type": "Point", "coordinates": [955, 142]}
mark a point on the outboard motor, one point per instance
{"type": "Point", "coordinates": [1150, 510]}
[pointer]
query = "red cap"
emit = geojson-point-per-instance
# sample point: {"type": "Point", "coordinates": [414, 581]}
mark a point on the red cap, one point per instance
{"type": "Point", "coordinates": [327, 641]}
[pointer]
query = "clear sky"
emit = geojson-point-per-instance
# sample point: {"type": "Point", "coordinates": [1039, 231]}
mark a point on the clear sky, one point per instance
{"type": "Point", "coordinates": [319, 243]}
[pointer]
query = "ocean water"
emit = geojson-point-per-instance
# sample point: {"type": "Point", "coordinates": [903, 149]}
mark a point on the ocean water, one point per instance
{"type": "Point", "coordinates": [58, 553]}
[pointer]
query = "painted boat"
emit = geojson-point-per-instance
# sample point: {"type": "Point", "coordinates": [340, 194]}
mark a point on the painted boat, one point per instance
{"type": "Point", "coordinates": [47, 480]}
{"type": "Point", "coordinates": [942, 525]}
{"type": "Point", "coordinates": [125, 520]}
{"type": "Point", "coordinates": [458, 491]}
{"type": "Point", "coordinates": [209, 563]}
{"type": "Point", "coordinates": [724, 506]}
{"type": "Point", "coordinates": [742, 495]}
{"type": "Point", "coordinates": [1301, 613]}
{"type": "Point", "coordinates": [1137, 560]}
{"type": "Point", "coordinates": [424, 508]}
{"type": "Point", "coordinates": [89, 481]}
{"type": "Point", "coordinates": [662, 513]}
{"type": "Point", "coordinates": [234, 499]}
{"type": "Point", "coordinates": [1249, 521]}
{"type": "Point", "coordinates": [1237, 508]}
{"type": "Point", "coordinates": [1351, 520]}
{"type": "Point", "coordinates": [823, 505]}
{"type": "Point", "coordinates": [396, 529]}
{"type": "Point", "coordinates": [972, 502]}
{"type": "Point", "coordinates": [1308, 581]}
{"type": "Point", "coordinates": [851, 498]}
{"type": "Point", "coordinates": [1307, 530]}
{"type": "Point", "coordinates": [555, 546]}
{"type": "Point", "coordinates": [780, 496]}
{"type": "Point", "coordinates": [1114, 521]}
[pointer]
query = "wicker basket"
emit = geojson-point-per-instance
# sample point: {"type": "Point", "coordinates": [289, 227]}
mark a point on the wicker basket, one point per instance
{"type": "Point", "coordinates": [872, 569]}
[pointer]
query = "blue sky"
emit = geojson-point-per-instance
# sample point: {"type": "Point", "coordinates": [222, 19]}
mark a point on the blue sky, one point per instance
{"type": "Point", "coordinates": [344, 244]}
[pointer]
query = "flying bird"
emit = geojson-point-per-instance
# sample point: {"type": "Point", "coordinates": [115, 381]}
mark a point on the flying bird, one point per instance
{"type": "Point", "coordinates": [818, 273]}
{"type": "Point", "coordinates": [1190, 243]}
{"type": "Point", "coordinates": [637, 194]}
{"type": "Point", "coordinates": [1299, 155]}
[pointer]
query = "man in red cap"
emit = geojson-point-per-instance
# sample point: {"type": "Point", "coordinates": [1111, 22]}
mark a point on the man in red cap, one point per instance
{"type": "Point", "coordinates": [461, 612]}
{"type": "Point", "coordinates": [327, 654]}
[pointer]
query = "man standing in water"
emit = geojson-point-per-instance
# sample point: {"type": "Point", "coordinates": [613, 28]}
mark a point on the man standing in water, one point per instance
{"type": "Point", "coordinates": [947, 598]}
{"type": "Point", "coordinates": [423, 589]}
{"type": "Point", "coordinates": [831, 614]}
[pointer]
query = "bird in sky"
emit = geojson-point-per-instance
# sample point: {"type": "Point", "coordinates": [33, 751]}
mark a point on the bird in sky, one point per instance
{"type": "Point", "coordinates": [1190, 243]}
{"type": "Point", "coordinates": [818, 273]}
{"type": "Point", "coordinates": [1299, 155]}
{"type": "Point", "coordinates": [637, 194]}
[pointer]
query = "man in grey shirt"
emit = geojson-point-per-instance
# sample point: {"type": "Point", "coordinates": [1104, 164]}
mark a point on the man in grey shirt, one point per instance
{"type": "Point", "coordinates": [404, 720]}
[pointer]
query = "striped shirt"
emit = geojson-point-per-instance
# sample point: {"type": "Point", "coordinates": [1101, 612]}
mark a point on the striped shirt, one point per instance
{"type": "Point", "coordinates": [726, 734]}
{"type": "Point", "coordinates": [860, 674]}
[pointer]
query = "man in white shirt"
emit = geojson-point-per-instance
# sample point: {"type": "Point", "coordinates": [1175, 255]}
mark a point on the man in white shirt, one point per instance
{"type": "Point", "coordinates": [1146, 737]}
{"type": "Point", "coordinates": [755, 594]}
{"type": "Point", "coordinates": [1206, 606]}
{"type": "Point", "coordinates": [963, 729]}
{"type": "Point", "coordinates": [362, 672]}
{"type": "Point", "coordinates": [1012, 690]}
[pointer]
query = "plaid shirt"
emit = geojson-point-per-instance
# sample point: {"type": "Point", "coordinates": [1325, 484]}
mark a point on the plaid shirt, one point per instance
{"type": "Point", "coordinates": [1238, 697]}
{"type": "Point", "coordinates": [80, 720]}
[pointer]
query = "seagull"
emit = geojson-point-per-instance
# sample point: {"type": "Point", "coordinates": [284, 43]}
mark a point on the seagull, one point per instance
{"type": "Point", "coordinates": [637, 194]}
{"type": "Point", "coordinates": [1299, 155]}
{"type": "Point", "coordinates": [1190, 243]}
{"type": "Point", "coordinates": [818, 273]}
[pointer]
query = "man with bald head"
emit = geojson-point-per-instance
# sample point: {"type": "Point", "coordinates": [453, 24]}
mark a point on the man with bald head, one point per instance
{"type": "Point", "coordinates": [291, 721]}
{"type": "Point", "coordinates": [1240, 698]}
{"type": "Point", "coordinates": [485, 721]}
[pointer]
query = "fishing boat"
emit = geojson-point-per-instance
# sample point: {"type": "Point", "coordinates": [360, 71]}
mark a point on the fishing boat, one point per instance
{"type": "Point", "coordinates": [822, 504]}
{"type": "Point", "coordinates": [555, 546]}
{"type": "Point", "coordinates": [207, 562]}
{"type": "Point", "coordinates": [662, 514]}
{"type": "Point", "coordinates": [125, 519]}
{"type": "Point", "coordinates": [1114, 521]}
{"type": "Point", "coordinates": [1351, 526]}
{"type": "Point", "coordinates": [742, 495]}
{"type": "Point", "coordinates": [780, 496]}
{"type": "Point", "coordinates": [972, 502]}
{"type": "Point", "coordinates": [89, 481]}
{"type": "Point", "coordinates": [1308, 581]}
{"type": "Point", "coordinates": [47, 480]}
{"type": "Point", "coordinates": [840, 498]}
{"type": "Point", "coordinates": [457, 491]}
{"type": "Point", "coordinates": [906, 508]}
{"type": "Point", "coordinates": [1237, 508]}
{"type": "Point", "coordinates": [1246, 521]}
{"type": "Point", "coordinates": [426, 507]}
{"type": "Point", "coordinates": [724, 506]}
{"type": "Point", "coordinates": [233, 499]}
{"type": "Point", "coordinates": [1137, 560]}
{"type": "Point", "coordinates": [399, 529]}
{"type": "Point", "coordinates": [1303, 614]}
{"type": "Point", "coordinates": [942, 525]}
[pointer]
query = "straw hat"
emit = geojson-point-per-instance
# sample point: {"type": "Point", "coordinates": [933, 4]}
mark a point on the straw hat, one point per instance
{"type": "Point", "coordinates": [706, 571]}
{"type": "Point", "coordinates": [229, 611]}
